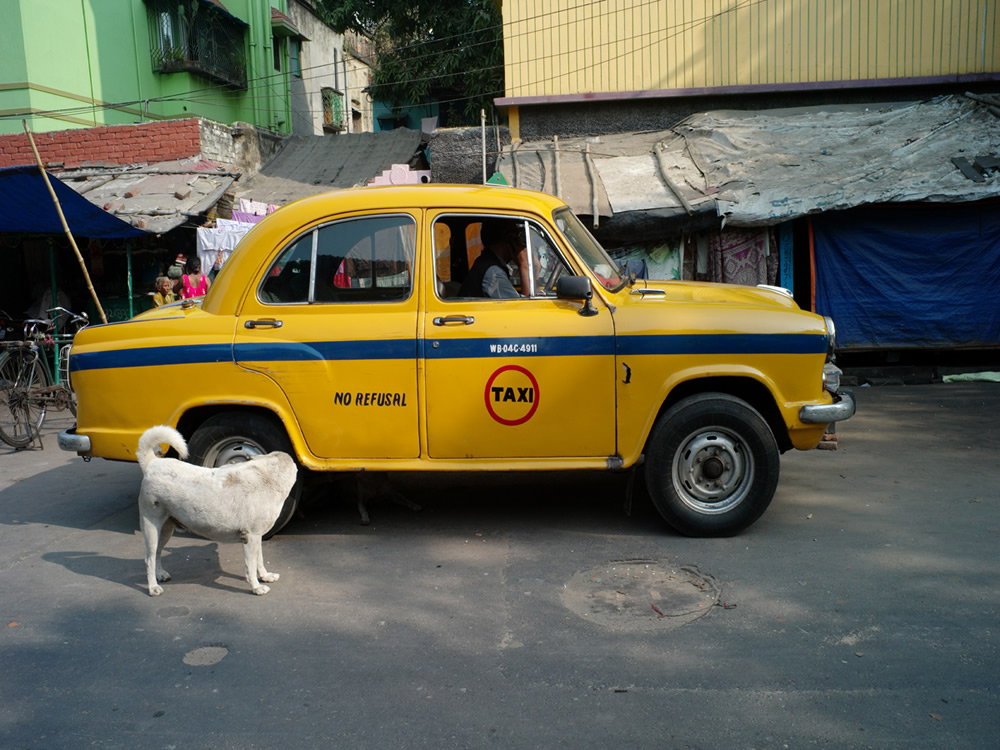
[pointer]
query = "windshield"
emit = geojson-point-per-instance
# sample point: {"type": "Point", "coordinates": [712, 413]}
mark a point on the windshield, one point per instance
{"type": "Point", "coordinates": [604, 268]}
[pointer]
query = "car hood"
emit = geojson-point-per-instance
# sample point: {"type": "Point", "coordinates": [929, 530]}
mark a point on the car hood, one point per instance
{"type": "Point", "coordinates": [704, 292]}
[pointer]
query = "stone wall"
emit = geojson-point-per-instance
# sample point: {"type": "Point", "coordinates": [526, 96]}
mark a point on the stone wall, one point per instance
{"type": "Point", "coordinates": [240, 146]}
{"type": "Point", "coordinates": [456, 154]}
{"type": "Point", "coordinates": [596, 117]}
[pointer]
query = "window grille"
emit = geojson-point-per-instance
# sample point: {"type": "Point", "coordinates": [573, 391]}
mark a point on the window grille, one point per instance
{"type": "Point", "coordinates": [193, 36]}
{"type": "Point", "coordinates": [333, 110]}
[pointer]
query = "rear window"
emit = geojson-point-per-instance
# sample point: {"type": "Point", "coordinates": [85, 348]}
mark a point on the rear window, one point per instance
{"type": "Point", "coordinates": [358, 260]}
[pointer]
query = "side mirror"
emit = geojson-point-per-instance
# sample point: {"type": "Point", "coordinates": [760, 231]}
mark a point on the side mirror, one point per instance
{"type": "Point", "coordinates": [573, 287]}
{"type": "Point", "coordinates": [577, 288]}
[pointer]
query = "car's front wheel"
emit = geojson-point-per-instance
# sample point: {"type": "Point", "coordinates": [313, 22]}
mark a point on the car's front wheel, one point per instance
{"type": "Point", "coordinates": [711, 465]}
{"type": "Point", "coordinates": [232, 437]}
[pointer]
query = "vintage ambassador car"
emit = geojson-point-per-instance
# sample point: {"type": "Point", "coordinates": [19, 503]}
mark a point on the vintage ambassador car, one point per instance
{"type": "Point", "coordinates": [336, 332]}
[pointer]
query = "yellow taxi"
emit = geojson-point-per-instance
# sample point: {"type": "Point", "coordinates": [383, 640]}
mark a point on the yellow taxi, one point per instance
{"type": "Point", "coordinates": [466, 328]}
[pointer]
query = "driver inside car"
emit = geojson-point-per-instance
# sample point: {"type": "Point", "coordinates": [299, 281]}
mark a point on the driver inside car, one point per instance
{"type": "Point", "coordinates": [489, 276]}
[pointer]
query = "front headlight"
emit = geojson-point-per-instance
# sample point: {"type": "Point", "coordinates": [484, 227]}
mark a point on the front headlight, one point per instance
{"type": "Point", "coordinates": [831, 377]}
{"type": "Point", "coordinates": [831, 338]}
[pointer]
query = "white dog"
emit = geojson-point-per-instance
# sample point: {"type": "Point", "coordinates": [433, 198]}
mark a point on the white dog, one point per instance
{"type": "Point", "coordinates": [231, 503]}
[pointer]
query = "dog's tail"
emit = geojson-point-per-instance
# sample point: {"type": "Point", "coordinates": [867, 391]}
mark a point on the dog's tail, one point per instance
{"type": "Point", "coordinates": [154, 437]}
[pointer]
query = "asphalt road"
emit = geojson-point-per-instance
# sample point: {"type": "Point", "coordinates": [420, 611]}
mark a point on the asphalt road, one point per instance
{"type": "Point", "coordinates": [860, 611]}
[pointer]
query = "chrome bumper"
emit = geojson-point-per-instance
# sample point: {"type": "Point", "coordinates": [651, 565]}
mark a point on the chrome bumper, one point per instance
{"type": "Point", "coordinates": [70, 441]}
{"type": "Point", "coordinates": [842, 408]}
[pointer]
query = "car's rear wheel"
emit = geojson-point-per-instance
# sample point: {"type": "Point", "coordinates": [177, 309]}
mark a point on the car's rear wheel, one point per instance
{"type": "Point", "coordinates": [711, 465]}
{"type": "Point", "coordinates": [232, 437]}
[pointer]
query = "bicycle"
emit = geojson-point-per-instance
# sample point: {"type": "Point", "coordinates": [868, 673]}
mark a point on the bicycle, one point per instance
{"type": "Point", "coordinates": [28, 383]}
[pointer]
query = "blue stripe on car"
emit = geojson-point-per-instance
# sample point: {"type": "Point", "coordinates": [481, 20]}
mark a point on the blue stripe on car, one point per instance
{"type": "Point", "coordinates": [722, 343]}
{"type": "Point", "coordinates": [525, 346]}
{"type": "Point", "coordinates": [454, 348]}
{"type": "Point", "coordinates": [151, 356]}
{"type": "Point", "coordinates": [326, 350]}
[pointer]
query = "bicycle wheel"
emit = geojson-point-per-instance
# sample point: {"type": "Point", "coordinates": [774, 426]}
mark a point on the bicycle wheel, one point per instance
{"type": "Point", "coordinates": [22, 409]}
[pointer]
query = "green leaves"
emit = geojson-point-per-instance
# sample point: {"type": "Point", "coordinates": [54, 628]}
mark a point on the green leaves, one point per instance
{"type": "Point", "coordinates": [449, 51]}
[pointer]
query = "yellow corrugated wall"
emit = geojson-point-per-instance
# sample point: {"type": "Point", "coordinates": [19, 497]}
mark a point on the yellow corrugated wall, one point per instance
{"type": "Point", "coordinates": [575, 46]}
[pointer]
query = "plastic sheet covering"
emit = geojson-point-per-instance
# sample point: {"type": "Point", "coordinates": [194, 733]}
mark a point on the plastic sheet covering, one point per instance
{"type": "Point", "coordinates": [760, 168]}
{"type": "Point", "coordinates": [896, 277]}
{"type": "Point", "coordinates": [28, 207]}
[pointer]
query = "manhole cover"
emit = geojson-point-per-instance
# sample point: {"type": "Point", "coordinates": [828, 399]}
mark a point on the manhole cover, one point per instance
{"type": "Point", "coordinates": [641, 594]}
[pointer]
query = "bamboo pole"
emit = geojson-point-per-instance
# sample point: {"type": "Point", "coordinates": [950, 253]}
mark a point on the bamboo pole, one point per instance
{"type": "Point", "coordinates": [662, 164]}
{"type": "Point", "coordinates": [555, 158]}
{"type": "Point", "coordinates": [482, 115]}
{"type": "Point", "coordinates": [62, 218]}
{"type": "Point", "coordinates": [591, 173]}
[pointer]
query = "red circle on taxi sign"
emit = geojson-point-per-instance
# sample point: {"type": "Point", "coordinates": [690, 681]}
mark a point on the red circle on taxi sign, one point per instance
{"type": "Point", "coordinates": [521, 395]}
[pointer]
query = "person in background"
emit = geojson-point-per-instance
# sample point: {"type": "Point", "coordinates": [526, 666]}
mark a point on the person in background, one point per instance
{"type": "Point", "coordinates": [489, 275]}
{"type": "Point", "coordinates": [195, 283]}
{"type": "Point", "coordinates": [175, 272]}
{"type": "Point", "coordinates": [164, 292]}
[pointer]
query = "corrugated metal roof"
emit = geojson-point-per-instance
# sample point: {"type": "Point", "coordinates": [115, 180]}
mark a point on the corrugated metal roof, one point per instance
{"type": "Point", "coordinates": [152, 197]}
{"type": "Point", "coordinates": [759, 168]}
{"type": "Point", "coordinates": [308, 165]}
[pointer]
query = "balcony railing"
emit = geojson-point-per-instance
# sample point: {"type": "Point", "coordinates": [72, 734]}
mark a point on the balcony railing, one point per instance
{"type": "Point", "coordinates": [227, 68]}
{"type": "Point", "coordinates": [195, 36]}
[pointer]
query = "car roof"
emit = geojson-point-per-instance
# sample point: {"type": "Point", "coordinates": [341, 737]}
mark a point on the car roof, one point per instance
{"type": "Point", "coordinates": [426, 196]}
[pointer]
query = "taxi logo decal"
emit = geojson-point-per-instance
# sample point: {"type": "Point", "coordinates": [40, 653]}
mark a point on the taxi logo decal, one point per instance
{"type": "Point", "coordinates": [511, 395]}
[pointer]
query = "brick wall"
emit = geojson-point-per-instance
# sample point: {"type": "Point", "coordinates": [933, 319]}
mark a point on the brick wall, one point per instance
{"type": "Point", "coordinates": [106, 146]}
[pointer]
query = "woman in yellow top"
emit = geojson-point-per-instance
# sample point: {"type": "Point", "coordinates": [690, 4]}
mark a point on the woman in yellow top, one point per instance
{"type": "Point", "coordinates": [164, 292]}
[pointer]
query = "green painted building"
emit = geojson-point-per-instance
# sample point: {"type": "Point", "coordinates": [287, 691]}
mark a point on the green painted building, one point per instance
{"type": "Point", "coordinates": [82, 63]}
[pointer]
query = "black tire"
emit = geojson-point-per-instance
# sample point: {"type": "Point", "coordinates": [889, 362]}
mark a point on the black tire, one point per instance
{"type": "Point", "coordinates": [236, 436]}
{"type": "Point", "coordinates": [22, 410]}
{"type": "Point", "coordinates": [712, 465]}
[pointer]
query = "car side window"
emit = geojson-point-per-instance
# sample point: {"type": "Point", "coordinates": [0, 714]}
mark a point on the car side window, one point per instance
{"type": "Point", "coordinates": [358, 260]}
{"type": "Point", "coordinates": [547, 263]}
{"type": "Point", "coordinates": [459, 243]}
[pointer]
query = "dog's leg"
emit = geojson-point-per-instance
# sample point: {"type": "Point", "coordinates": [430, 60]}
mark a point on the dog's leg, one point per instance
{"type": "Point", "coordinates": [151, 537]}
{"type": "Point", "coordinates": [166, 531]}
{"type": "Point", "coordinates": [252, 556]}
{"type": "Point", "coordinates": [401, 499]}
{"type": "Point", "coordinates": [262, 573]}
{"type": "Point", "coordinates": [361, 490]}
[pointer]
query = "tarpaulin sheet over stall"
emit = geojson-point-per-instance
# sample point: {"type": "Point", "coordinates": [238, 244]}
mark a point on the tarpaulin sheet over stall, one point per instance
{"type": "Point", "coordinates": [760, 168]}
{"type": "Point", "coordinates": [28, 207]}
{"type": "Point", "coordinates": [897, 277]}
{"type": "Point", "coordinates": [308, 165]}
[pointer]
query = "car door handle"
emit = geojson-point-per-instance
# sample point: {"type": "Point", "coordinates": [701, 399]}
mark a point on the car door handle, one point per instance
{"type": "Point", "coordinates": [466, 320]}
{"type": "Point", "coordinates": [267, 323]}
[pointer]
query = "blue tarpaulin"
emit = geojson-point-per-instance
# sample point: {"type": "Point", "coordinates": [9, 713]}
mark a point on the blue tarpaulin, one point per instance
{"type": "Point", "coordinates": [905, 276]}
{"type": "Point", "coordinates": [28, 207]}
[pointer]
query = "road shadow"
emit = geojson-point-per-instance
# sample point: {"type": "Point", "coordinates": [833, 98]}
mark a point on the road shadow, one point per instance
{"type": "Point", "coordinates": [76, 495]}
{"type": "Point", "coordinates": [188, 563]}
{"type": "Point", "coordinates": [563, 501]}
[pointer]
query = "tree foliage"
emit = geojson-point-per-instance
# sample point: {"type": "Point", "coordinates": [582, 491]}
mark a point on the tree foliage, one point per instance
{"type": "Point", "coordinates": [450, 51]}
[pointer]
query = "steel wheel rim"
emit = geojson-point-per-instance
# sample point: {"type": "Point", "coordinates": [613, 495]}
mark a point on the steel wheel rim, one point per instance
{"type": "Point", "coordinates": [26, 411]}
{"type": "Point", "coordinates": [232, 450]}
{"type": "Point", "coordinates": [713, 470]}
